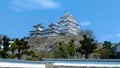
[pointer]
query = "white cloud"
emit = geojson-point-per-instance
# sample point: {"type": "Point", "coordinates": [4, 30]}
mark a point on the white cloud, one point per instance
{"type": "Point", "coordinates": [19, 5]}
{"type": "Point", "coordinates": [86, 23]}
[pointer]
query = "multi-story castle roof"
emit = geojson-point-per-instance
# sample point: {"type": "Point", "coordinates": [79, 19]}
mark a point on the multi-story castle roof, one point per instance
{"type": "Point", "coordinates": [66, 26]}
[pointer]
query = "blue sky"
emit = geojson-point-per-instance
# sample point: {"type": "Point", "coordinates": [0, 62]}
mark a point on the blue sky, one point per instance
{"type": "Point", "coordinates": [102, 16]}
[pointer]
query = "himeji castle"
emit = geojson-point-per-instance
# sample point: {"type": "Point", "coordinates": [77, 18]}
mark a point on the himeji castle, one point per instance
{"type": "Point", "coordinates": [67, 26]}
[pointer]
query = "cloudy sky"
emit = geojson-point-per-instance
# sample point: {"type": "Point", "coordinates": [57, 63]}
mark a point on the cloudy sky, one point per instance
{"type": "Point", "coordinates": [102, 16]}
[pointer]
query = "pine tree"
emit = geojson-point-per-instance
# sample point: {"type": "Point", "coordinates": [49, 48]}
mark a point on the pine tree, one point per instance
{"type": "Point", "coordinates": [13, 47]}
{"type": "Point", "coordinates": [106, 51]}
{"type": "Point", "coordinates": [88, 45]}
{"type": "Point", "coordinates": [5, 48]}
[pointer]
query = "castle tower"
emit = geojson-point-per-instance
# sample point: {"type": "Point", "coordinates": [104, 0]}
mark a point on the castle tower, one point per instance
{"type": "Point", "coordinates": [37, 31]}
{"type": "Point", "coordinates": [68, 25]}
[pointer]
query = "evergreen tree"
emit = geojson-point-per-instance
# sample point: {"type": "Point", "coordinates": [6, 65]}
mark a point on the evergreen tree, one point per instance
{"type": "Point", "coordinates": [108, 50]}
{"type": "Point", "coordinates": [13, 47]}
{"type": "Point", "coordinates": [33, 55]}
{"type": "Point", "coordinates": [62, 51]}
{"type": "Point", "coordinates": [88, 45]}
{"type": "Point", "coordinates": [5, 48]}
{"type": "Point", "coordinates": [107, 45]}
{"type": "Point", "coordinates": [22, 47]}
{"type": "Point", "coordinates": [65, 50]}
{"type": "Point", "coordinates": [71, 48]}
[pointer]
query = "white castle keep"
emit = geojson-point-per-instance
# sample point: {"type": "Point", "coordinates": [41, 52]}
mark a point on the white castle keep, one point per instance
{"type": "Point", "coordinates": [67, 26]}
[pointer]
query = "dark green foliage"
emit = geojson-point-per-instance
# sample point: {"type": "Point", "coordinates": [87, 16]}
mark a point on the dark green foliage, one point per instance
{"type": "Point", "coordinates": [71, 48]}
{"type": "Point", "coordinates": [13, 47]}
{"type": "Point", "coordinates": [0, 41]}
{"type": "Point", "coordinates": [6, 42]}
{"type": "Point", "coordinates": [107, 45]}
{"type": "Point", "coordinates": [32, 55]}
{"type": "Point", "coordinates": [61, 51]}
{"type": "Point", "coordinates": [44, 54]}
{"type": "Point", "coordinates": [87, 47]}
{"type": "Point", "coordinates": [65, 50]}
{"type": "Point", "coordinates": [22, 47]}
{"type": "Point", "coordinates": [5, 48]}
{"type": "Point", "coordinates": [0, 44]}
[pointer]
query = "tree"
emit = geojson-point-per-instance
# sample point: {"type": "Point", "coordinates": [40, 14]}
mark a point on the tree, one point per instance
{"type": "Point", "coordinates": [0, 47]}
{"type": "Point", "coordinates": [0, 44]}
{"type": "Point", "coordinates": [87, 47]}
{"type": "Point", "coordinates": [61, 51]}
{"type": "Point", "coordinates": [5, 48]}
{"type": "Point", "coordinates": [43, 54]}
{"type": "Point", "coordinates": [106, 51]}
{"type": "Point", "coordinates": [107, 45]}
{"type": "Point", "coordinates": [22, 47]}
{"type": "Point", "coordinates": [70, 48]}
{"type": "Point", "coordinates": [102, 53]}
{"type": "Point", "coordinates": [32, 55]}
{"type": "Point", "coordinates": [64, 50]}
{"type": "Point", "coordinates": [89, 33]}
{"type": "Point", "coordinates": [6, 43]}
{"type": "Point", "coordinates": [13, 47]}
